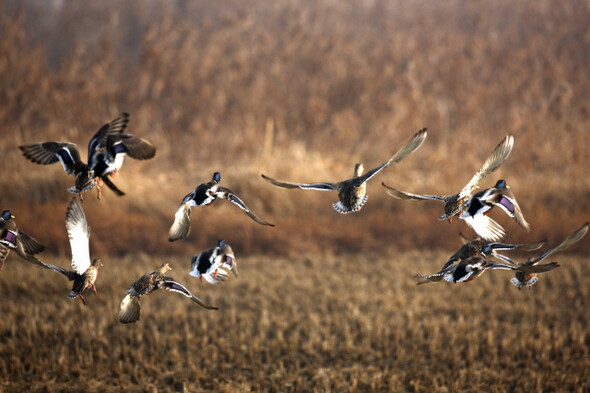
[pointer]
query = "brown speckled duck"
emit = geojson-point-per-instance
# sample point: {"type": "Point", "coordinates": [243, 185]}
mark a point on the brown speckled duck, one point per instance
{"type": "Point", "coordinates": [85, 272]}
{"type": "Point", "coordinates": [352, 193]}
{"type": "Point", "coordinates": [526, 272]}
{"type": "Point", "coordinates": [130, 307]}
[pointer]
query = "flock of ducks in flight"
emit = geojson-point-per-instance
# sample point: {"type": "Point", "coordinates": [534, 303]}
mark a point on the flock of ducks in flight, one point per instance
{"type": "Point", "coordinates": [109, 146]}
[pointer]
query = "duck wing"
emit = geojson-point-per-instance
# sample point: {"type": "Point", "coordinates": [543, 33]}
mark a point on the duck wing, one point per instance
{"type": "Point", "coordinates": [568, 241]}
{"type": "Point", "coordinates": [99, 140]}
{"type": "Point", "coordinates": [181, 226]}
{"type": "Point", "coordinates": [413, 144]}
{"type": "Point", "coordinates": [507, 202]}
{"type": "Point", "coordinates": [109, 183]}
{"type": "Point", "coordinates": [485, 227]}
{"type": "Point", "coordinates": [79, 234]}
{"type": "Point", "coordinates": [30, 244]}
{"type": "Point", "coordinates": [171, 284]}
{"type": "Point", "coordinates": [325, 186]}
{"type": "Point", "coordinates": [135, 147]}
{"type": "Point", "coordinates": [493, 162]}
{"type": "Point", "coordinates": [406, 195]}
{"type": "Point", "coordinates": [51, 152]}
{"type": "Point", "coordinates": [228, 194]}
{"type": "Point", "coordinates": [129, 309]}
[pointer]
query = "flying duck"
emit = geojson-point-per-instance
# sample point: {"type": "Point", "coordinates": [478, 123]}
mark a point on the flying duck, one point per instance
{"type": "Point", "coordinates": [214, 264]}
{"type": "Point", "coordinates": [477, 208]}
{"type": "Point", "coordinates": [130, 307]}
{"type": "Point", "coordinates": [526, 272]}
{"type": "Point", "coordinates": [85, 271]}
{"type": "Point", "coordinates": [352, 193]}
{"type": "Point", "coordinates": [13, 238]}
{"type": "Point", "coordinates": [468, 264]}
{"type": "Point", "coordinates": [106, 152]}
{"type": "Point", "coordinates": [454, 202]}
{"type": "Point", "coordinates": [203, 195]}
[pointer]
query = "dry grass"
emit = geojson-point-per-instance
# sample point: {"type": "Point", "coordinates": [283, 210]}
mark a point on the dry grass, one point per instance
{"type": "Point", "coordinates": [354, 323]}
{"type": "Point", "coordinates": [298, 91]}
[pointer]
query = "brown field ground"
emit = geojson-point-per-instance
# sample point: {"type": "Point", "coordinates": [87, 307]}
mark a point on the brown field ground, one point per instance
{"type": "Point", "coordinates": [300, 91]}
{"type": "Point", "coordinates": [312, 323]}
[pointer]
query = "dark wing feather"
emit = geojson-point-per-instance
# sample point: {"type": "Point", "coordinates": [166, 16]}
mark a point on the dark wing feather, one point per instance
{"type": "Point", "coordinates": [107, 180]}
{"type": "Point", "coordinates": [30, 245]}
{"type": "Point", "coordinates": [232, 197]}
{"type": "Point", "coordinates": [70, 274]}
{"type": "Point", "coordinates": [172, 285]}
{"type": "Point", "coordinates": [135, 147]}
{"type": "Point", "coordinates": [99, 140]}
{"type": "Point", "coordinates": [50, 152]}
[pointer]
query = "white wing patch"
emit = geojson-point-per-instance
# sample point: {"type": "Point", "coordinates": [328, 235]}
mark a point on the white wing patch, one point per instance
{"type": "Point", "coordinates": [79, 234]}
{"type": "Point", "coordinates": [485, 227]}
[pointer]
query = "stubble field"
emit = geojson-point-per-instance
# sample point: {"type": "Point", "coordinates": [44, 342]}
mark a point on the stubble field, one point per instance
{"type": "Point", "coordinates": [350, 323]}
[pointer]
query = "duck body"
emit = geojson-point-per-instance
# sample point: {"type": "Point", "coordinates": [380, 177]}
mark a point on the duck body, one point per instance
{"type": "Point", "coordinates": [214, 264]}
{"type": "Point", "coordinates": [477, 208]}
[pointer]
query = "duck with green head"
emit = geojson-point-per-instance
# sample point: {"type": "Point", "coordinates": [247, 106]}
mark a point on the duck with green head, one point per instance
{"type": "Point", "coordinates": [11, 238]}
{"type": "Point", "coordinates": [477, 208]}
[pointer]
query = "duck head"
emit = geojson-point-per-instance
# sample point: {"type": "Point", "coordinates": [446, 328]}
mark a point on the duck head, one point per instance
{"type": "Point", "coordinates": [97, 263]}
{"type": "Point", "coordinates": [216, 177]}
{"type": "Point", "coordinates": [358, 169]}
{"type": "Point", "coordinates": [501, 184]}
{"type": "Point", "coordinates": [6, 215]}
{"type": "Point", "coordinates": [164, 268]}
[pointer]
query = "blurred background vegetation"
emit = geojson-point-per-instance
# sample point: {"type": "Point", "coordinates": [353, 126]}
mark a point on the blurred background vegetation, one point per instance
{"type": "Point", "coordinates": [300, 91]}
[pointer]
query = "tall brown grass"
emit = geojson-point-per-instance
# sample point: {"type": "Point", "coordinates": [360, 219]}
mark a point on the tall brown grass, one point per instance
{"type": "Point", "coordinates": [299, 91]}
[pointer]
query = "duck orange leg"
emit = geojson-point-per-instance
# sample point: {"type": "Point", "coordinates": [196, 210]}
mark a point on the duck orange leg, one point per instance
{"type": "Point", "coordinates": [82, 298]}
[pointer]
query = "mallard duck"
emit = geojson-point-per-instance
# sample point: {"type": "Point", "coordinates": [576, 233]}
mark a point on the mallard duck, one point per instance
{"type": "Point", "coordinates": [214, 264]}
{"type": "Point", "coordinates": [467, 252]}
{"type": "Point", "coordinates": [352, 193]}
{"type": "Point", "coordinates": [106, 151]}
{"type": "Point", "coordinates": [203, 195]}
{"type": "Point", "coordinates": [85, 272]}
{"type": "Point", "coordinates": [454, 202]}
{"type": "Point", "coordinates": [130, 307]}
{"type": "Point", "coordinates": [13, 238]}
{"type": "Point", "coordinates": [476, 209]}
{"type": "Point", "coordinates": [526, 272]}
